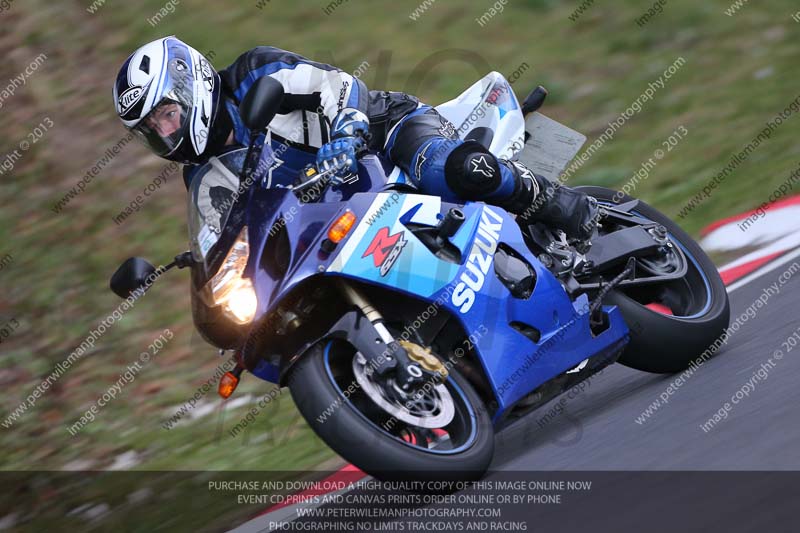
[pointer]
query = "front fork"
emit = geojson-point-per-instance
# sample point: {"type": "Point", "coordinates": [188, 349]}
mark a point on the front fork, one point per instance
{"type": "Point", "coordinates": [374, 341]}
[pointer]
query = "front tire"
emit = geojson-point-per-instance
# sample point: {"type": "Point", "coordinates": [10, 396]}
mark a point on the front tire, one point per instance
{"type": "Point", "coordinates": [346, 419]}
{"type": "Point", "coordinates": [668, 342]}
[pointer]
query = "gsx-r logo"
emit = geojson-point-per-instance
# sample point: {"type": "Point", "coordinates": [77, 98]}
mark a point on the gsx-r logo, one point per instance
{"type": "Point", "coordinates": [385, 249]}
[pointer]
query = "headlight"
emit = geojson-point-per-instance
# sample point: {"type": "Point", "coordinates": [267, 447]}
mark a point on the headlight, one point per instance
{"type": "Point", "coordinates": [229, 289]}
{"type": "Point", "coordinates": [242, 302]}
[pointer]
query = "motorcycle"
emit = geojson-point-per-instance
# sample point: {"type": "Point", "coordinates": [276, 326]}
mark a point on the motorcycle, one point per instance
{"type": "Point", "coordinates": [409, 330]}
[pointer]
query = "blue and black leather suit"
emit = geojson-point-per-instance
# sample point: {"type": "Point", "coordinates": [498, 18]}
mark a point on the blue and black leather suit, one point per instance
{"type": "Point", "coordinates": [326, 113]}
{"type": "Point", "coordinates": [413, 135]}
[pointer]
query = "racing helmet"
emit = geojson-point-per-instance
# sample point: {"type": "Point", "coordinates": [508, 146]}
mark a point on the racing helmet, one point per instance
{"type": "Point", "coordinates": [169, 96]}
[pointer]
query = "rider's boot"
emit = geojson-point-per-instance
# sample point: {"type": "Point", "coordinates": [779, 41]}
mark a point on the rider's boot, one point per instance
{"type": "Point", "coordinates": [537, 199]}
{"type": "Point", "coordinates": [474, 173]}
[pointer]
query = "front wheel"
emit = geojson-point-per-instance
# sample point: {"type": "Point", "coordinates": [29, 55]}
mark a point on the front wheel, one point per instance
{"type": "Point", "coordinates": [443, 433]}
{"type": "Point", "coordinates": [674, 323]}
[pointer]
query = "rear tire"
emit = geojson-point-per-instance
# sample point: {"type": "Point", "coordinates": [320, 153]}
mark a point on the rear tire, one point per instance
{"type": "Point", "coordinates": [664, 343]}
{"type": "Point", "coordinates": [369, 447]}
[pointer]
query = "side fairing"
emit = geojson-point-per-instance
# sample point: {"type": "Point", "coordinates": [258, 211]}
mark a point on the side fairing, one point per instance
{"type": "Point", "coordinates": [382, 250]}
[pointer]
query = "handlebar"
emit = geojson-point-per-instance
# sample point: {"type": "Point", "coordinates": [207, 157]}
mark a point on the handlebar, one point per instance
{"type": "Point", "coordinates": [315, 176]}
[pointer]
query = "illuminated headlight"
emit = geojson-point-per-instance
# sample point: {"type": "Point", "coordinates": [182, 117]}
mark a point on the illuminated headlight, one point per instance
{"type": "Point", "coordinates": [229, 289]}
{"type": "Point", "coordinates": [242, 302]}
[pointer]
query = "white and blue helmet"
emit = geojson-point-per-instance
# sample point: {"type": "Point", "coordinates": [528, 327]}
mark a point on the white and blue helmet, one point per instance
{"type": "Point", "coordinates": [168, 94]}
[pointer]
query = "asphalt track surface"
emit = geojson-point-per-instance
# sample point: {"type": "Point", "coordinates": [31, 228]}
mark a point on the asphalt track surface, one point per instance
{"type": "Point", "coordinates": [598, 429]}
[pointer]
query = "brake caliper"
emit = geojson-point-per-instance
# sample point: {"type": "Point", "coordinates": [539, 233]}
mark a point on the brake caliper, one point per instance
{"type": "Point", "coordinates": [425, 358]}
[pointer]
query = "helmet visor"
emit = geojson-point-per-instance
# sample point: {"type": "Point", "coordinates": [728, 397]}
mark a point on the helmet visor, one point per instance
{"type": "Point", "coordinates": [163, 128]}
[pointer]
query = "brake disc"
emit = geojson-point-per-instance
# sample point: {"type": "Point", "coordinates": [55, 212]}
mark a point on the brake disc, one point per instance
{"type": "Point", "coordinates": [430, 406]}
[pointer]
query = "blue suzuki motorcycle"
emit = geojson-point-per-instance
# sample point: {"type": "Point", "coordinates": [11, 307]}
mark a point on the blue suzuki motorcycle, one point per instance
{"type": "Point", "coordinates": [408, 329]}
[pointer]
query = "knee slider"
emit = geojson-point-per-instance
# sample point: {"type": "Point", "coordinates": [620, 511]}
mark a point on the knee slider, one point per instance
{"type": "Point", "coordinates": [471, 171]}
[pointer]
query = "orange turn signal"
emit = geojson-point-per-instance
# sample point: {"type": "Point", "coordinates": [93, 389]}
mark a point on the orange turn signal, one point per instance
{"type": "Point", "coordinates": [227, 384]}
{"type": "Point", "coordinates": [341, 227]}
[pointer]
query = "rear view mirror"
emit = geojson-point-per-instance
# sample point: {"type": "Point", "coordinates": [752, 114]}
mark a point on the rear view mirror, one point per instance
{"type": "Point", "coordinates": [261, 103]}
{"type": "Point", "coordinates": [133, 274]}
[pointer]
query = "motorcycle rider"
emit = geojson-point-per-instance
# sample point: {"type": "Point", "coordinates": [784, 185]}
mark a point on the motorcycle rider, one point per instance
{"type": "Point", "coordinates": [173, 100]}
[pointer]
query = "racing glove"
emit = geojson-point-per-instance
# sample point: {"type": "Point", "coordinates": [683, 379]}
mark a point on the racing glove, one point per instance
{"type": "Point", "coordinates": [349, 133]}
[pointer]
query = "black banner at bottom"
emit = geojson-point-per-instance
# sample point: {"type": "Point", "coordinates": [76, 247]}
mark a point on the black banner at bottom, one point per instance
{"type": "Point", "coordinates": [349, 501]}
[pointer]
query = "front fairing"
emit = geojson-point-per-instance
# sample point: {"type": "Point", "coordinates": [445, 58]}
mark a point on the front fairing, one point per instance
{"type": "Point", "coordinates": [220, 206]}
{"type": "Point", "coordinates": [278, 224]}
{"type": "Point", "coordinates": [276, 212]}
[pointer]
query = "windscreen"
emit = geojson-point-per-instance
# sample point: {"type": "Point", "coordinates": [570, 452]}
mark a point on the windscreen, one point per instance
{"type": "Point", "coordinates": [212, 194]}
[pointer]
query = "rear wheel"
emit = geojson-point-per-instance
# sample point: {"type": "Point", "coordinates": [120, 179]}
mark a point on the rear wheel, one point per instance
{"type": "Point", "coordinates": [671, 323]}
{"type": "Point", "coordinates": [443, 433]}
